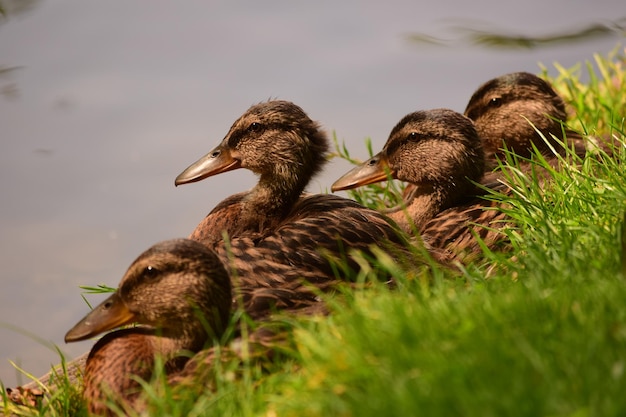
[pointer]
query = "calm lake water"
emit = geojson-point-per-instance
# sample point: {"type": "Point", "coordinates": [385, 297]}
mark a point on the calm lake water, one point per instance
{"type": "Point", "coordinates": [113, 99]}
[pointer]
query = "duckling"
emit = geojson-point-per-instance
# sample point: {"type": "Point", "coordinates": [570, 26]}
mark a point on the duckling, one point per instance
{"type": "Point", "coordinates": [440, 154]}
{"type": "Point", "coordinates": [506, 108]}
{"type": "Point", "coordinates": [180, 294]}
{"type": "Point", "coordinates": [279, 142]}
{"type": "Point", "coordinates": [261, 287]}
{"type": "Point", "coordinates": [438, 151]}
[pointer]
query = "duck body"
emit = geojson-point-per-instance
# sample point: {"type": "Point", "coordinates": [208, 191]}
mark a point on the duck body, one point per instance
{"type": "Point", "coordinates": [277, 141]}
{"type": "Point", "coordinates": [454, 231]}
{"type": "Point", "coordinates": [180, 294]}
{"type": "Point", "coordinates": [318, 227]}
{"type": "Point", "coordinates": [119, 355]}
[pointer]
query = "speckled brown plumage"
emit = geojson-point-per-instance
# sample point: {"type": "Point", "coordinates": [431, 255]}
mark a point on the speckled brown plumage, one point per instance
{"type": "Point", "coordinates": [285, 148]}
{"type": "Point", "coordinates": [440, 154]}
{"type": "Point", "coordinates": [453, 230]}
{"type": "Point", "coordinates": [166, 290]}
{"type": "Point", "coordinates": [115, 360]}
{"type": "Point", "coordinates": [506, 108]}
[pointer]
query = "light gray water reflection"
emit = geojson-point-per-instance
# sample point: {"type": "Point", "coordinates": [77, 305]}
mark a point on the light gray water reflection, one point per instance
{"type": "Point", "coordinates": [114, 99]}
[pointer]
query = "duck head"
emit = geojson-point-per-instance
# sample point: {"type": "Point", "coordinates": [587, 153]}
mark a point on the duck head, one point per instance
{"type": "Point", "coordinates": [438, 152]}
{"type": "Point", "coordinates": [508, 111]}
{"type": "Point", "coordinates": [276, 140]}
{"type": "Point", "coordinates": [167, 288]}
{"type": "Point", "coordinates": [431, 149]}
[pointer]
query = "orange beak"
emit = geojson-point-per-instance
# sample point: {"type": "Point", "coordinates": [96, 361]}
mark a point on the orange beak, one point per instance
{"type": "Point", "coordinates": [221, 159]}
{"type": "Point", "coordinates": [375, 169]}
{"type": "Point", "coordinates": [109, 314]}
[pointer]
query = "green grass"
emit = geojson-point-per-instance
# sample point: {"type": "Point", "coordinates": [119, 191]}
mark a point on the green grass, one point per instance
{"type": "Point", "coordinates": [538, 331]}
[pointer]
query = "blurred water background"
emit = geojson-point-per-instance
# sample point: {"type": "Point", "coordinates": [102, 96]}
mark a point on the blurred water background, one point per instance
{"type": "Point", "coordinates": [103, 103]}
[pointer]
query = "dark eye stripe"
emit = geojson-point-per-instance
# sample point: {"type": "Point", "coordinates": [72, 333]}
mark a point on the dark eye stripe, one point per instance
{"type": "Point", "coordinates": [253, 129]}
{"type": "Point", "coordinates": [476, 111]}
{"type": "Point", "coordinates": [235, 138]}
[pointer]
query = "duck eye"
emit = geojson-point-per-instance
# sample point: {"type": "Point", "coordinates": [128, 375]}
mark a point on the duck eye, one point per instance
{"type": "Point", "coordinates": [413, 136]}
{"type": "Point", "coordinates": [151, 272]}
{"type": "Point", "coordinates": [495, 102]}
{"type": "Point", "coordinates": [255, 127]}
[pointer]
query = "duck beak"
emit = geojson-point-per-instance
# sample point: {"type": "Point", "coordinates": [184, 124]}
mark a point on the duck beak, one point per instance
{"type": "Point", "coordinates": [111, 313]}
{"type": "Point", "coordinates": [375, 169]}
{"type": "Point", "coordinates": [221, 159]}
